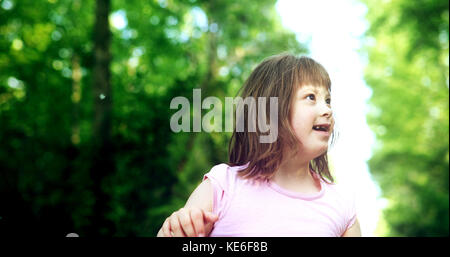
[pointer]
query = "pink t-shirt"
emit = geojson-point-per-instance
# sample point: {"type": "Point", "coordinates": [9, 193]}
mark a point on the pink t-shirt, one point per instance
{"type": "Point", "coordinates": [252, 209]}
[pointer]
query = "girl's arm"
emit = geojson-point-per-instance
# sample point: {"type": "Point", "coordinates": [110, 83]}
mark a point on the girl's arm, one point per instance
{"type": "Point", "coordinates": [202, 197]}
{"type": "Point", "coordinates": [353, 231]}
{"type": "Point", "coordinates": [195, 218]}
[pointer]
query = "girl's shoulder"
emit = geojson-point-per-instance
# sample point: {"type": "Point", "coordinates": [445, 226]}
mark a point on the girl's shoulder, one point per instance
{"type": "Point", "coordinates": [224, 175]}
{"type": "Point", "coordinates": [341, 192]}
{"type": "Point", "coordinates": [224, 170]}
{"type": "Point", "coordinates": [344, 196]}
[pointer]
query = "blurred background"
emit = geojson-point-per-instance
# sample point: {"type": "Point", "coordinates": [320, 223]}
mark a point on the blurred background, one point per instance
{"type": "Point", "coordinates": [85, 88]}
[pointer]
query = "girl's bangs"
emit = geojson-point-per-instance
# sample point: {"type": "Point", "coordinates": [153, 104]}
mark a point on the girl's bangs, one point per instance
{"type": "Point", "coordinates": [311, 73]}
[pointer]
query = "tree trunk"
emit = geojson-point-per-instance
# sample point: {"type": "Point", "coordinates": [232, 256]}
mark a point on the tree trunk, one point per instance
{"type": "Point", "coordinates": [76, 97]}
{"type": "Point", "coordinates": [206, 86]}
{"type": "Point", "coordinates": [102, 152]}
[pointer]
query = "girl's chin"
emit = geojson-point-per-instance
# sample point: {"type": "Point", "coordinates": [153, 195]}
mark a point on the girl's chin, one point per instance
{"type": "Point", "coordinates": [312, 150]}
{"type": "Point", "coordinates": [320, 151]}
{"type": "Point", "coordinates": [313, 153]}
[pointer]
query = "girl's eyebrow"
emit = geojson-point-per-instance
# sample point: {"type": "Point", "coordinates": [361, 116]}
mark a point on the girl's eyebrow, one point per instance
{"type": "Point", "coordinates": [314, 89]}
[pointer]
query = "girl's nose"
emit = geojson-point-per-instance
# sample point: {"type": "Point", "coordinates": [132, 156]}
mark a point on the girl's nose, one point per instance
{"type": "Point", "coordinates": [326, 111]}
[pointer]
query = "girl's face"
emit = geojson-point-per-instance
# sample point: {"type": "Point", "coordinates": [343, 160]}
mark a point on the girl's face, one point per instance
{"type": "Point", "coordinates": [311, 119]}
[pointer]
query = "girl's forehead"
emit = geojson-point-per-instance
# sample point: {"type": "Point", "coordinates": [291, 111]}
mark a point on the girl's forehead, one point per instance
{"type": "Point", "coordinates": [315, 88]}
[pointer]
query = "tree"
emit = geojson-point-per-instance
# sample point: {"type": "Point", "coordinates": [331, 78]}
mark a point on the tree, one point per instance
{"type": "Point", "coordinates": [407, 70]}
{"type": "Point", "coordinates": [81, 154]}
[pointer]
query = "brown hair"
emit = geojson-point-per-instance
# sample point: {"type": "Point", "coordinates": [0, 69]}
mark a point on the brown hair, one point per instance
{"type": "Point", "coordinates": [277, 76]}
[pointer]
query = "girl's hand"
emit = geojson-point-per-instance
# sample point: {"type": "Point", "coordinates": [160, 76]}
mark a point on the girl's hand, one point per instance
{"type": "Point", "coordinates": [187, 222]}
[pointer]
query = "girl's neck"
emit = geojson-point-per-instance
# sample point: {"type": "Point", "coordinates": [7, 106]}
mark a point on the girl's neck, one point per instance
{"type": "Point", "coordinates": [291, 169]}
{"type": "Point", "coordinates": [296, 177]}
{"type": "Point", "coordinates": [294, 170]}
{"type": "Point", "coordinates": [294, 173]}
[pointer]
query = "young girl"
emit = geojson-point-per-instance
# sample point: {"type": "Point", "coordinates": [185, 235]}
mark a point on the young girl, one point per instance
{"type": "Point", "coordinates": [282, 188]}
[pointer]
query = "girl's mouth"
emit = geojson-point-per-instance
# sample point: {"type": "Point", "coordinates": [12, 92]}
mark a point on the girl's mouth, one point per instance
{"type": "Point", "coordinates": [322, 127]}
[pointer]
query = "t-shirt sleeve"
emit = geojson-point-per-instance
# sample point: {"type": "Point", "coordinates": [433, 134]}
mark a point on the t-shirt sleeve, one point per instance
{"type": "Point", "coordinates": [351, 211]}
{"type": "Point", "coordinates": [221, 181]}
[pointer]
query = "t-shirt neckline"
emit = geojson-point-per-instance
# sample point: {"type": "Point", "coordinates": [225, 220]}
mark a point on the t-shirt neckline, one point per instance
{"type": "Point", "coordinates": [298, 195]}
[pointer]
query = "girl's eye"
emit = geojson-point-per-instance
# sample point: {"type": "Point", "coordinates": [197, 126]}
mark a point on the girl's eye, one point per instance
{"type": "Point", "coordinates": [328, 101]}
{"type": "Point", "coordinates": [311, 97]}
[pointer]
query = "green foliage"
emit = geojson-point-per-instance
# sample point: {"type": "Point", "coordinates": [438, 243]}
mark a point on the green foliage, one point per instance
{"type": "Point", "coordinates": [166, 49]}
{"type": "Point", "coordinates": [407, 46]}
